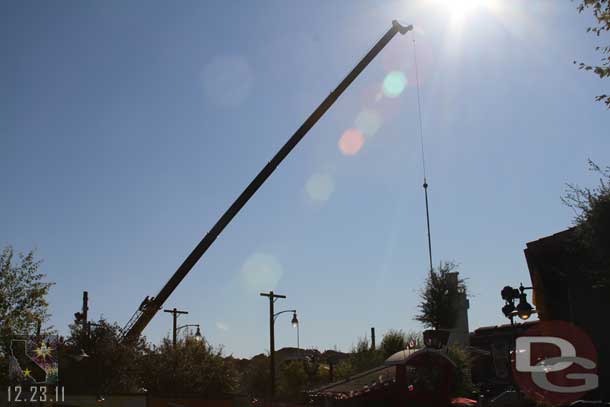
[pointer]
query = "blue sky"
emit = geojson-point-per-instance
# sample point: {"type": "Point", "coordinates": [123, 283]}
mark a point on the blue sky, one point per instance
{"type": "Point", "coordinates": [127, 128]}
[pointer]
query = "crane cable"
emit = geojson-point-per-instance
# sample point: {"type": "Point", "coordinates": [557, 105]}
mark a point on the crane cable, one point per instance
{"type": "Point", "coordinates": [423, 156]}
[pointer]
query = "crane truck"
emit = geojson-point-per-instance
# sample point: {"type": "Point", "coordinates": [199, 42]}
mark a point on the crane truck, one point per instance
{"type": "Point", "coordinates": [151, 305]}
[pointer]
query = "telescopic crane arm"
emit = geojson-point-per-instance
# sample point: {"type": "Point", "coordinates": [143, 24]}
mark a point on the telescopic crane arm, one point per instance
{"type": "Point", "coordinates": [150, 307]}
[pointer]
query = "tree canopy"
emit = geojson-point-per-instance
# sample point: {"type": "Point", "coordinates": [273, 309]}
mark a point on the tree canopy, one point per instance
{"type": "Point", "coordinates": [601, 12]}
{"type": "Point", "coordinates": [23, 291]}
{"type": "Point", "coordinates": [23, 302]}
{"type": "Point", "coordinates": [393, 341]}
{"type": "Point", "coordinates": [192, 367]}
{"type": "Point", "coordinates": [592, 221]}
{"type": "Point", "coordinates": [110, 365]}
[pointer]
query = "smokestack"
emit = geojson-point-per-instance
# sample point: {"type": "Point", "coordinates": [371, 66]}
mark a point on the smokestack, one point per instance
{"type": "Point", "coordinates": [373, 338]}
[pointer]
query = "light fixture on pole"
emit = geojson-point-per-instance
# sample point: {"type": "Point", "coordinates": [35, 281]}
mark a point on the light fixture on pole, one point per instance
{"type": "Point", "coordinates": [523, 310]}
{"type": "Point", "coordinates": [198, 336]}
{"type": "Point", "coordinates": [175, 328]}
{"type": "Point", "coordinates": [295, 324]}
{"type": "Point", "coordinates": [272, 317]}
{"type": "Point", "coordinates": [295, 321]}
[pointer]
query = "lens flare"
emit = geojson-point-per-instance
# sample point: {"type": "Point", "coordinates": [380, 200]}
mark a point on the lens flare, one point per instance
{"type": "Point", "coordinates": [368, 122]}
{"type": "Point", "coordinates": [394, 84]}
{"type": "Point", "coordinates": [261, 272]}
{"type": "Point", "coordinates": [319, 187]}
{"type": "Point", "coordinates": [351, 142]}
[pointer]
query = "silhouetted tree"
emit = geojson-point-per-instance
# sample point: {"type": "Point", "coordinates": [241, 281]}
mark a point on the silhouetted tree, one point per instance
{"type": "Point", "coordinates": [363, 357]}
{"type": "Point", "coordinates": [255, 380]}
{"type": "Point", "coordinates": [462, 380]}
{"type": "Point", "coordinates": [111, 366]}
{"type": "Point", "coordinates": [437, 308]}
{"type": "Point", "coordinates": [360, 359]}
{"type": "Point", "coordinates": [393, 341]}
{"type": "Point", "coordinates": [293, 376]}
{"type": "Point", "coordinates": [396, 340]}
{"type": "Point", "coordinates": [592, 221]}
{"type": "Point", "coordinates": [193, 367]}
{"type": "Point", "coordinates": [293, 380]}
{"type": "Point", "coordinates": [601, 12]}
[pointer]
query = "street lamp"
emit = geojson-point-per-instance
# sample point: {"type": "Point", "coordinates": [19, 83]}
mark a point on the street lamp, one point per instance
{"type": "Point", "coordinates": [272, 317]}
{"type": "Point", "coordinates": [198, 337]}
{"type": "Point", "coordinates": [295, 321]}
{"type": "Point", "coordinates": [523, 310]}
{"type": "Point", "coordinates": [175, 312]}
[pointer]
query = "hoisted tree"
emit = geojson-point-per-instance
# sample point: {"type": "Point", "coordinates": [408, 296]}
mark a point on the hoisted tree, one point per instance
{"type": "Point", "coordinates": [437, 309]}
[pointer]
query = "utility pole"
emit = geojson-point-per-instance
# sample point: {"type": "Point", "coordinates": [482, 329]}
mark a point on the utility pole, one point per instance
{"type": "Point", "coordinates": [86, 313]}
{"type": "Point", "coordinates": [175, 314]}
{"type": "Point", "coordinates": [272, 298]}
{"type": "Point", "coordinates": [372, 338]}
{"type": "Point", "coordinates": [82, 316]}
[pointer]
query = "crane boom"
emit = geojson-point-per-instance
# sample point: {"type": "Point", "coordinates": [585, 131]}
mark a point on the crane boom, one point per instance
{"type": "Point", "coordinates": [149, 308]}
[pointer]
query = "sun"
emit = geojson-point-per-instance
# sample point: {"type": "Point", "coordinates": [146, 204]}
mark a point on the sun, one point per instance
{"type": "Point", "coordinates": [461, 8]}
{"type": "Point", "coordinates": [458, 10]}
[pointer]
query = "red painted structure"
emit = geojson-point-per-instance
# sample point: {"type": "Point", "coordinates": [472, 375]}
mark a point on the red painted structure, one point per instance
{"type": "Point", "coordinates": [409, 378]}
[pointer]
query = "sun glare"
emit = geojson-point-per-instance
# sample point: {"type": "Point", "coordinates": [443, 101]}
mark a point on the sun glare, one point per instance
{"type": "Point", "coordinates": [459, 9]}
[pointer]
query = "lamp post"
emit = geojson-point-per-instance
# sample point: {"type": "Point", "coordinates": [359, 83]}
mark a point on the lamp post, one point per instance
{"type": "Point", "coordinates": [198, 336]}
{"type": "Point", "coordinates": [272, 317]}
{"type": "Point", "coordinates": [175, 314]}
{"type": "Point", "coordinates": [294, 322]}
{"type": "Point", "coordinates": [523, 310]}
